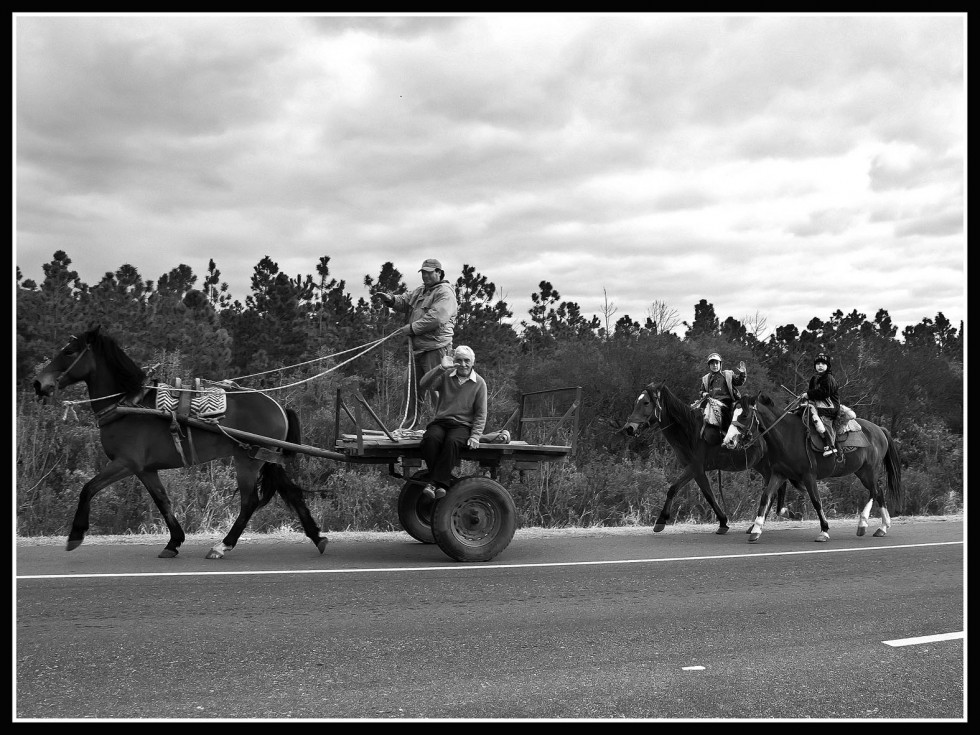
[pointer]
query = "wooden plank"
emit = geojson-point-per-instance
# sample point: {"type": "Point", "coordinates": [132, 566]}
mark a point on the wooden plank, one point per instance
{"type": "Point", "coordinates": [246, 436]}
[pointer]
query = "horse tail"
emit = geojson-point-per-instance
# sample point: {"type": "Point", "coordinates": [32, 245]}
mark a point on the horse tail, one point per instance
{"type": "Point", "coordinates": [893, 466]}
{"type": "Point", "coordinates": [273, 479]}
{"type": "Point", "coordinates": [294, 433]}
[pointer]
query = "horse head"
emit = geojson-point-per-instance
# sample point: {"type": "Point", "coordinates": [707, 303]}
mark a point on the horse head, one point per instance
{"type": "Point", "coordinates": [745, 424]}
{"type": "Point", "coordinates": [646, 410]}
{"type": "Point", "coordinates": [73, 363]}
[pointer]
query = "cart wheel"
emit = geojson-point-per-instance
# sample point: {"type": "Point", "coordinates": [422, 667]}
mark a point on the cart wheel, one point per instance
{"type": "Point", "coordinates": [415, 512]}
{"type": "Point", "coordinates": [475, 521]}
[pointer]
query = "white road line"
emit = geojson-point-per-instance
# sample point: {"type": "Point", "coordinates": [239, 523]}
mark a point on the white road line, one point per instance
{"type": "Point", "coordinates": [692, 668]}
{"type": "Point", "coordinates": [924, 639]}
{"type": "Point", "coordinates": [466, 567]}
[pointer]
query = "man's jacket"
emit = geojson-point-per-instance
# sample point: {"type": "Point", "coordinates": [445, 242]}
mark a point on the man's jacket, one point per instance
{"type": "Point", "coordinates": [432, 314]}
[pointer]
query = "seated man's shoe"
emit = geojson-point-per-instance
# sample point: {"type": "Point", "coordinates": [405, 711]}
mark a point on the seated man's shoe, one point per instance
{"type": "Point", "coordinates": [440, 492]}
{"type": "Point", "coordinates": [430, 492]}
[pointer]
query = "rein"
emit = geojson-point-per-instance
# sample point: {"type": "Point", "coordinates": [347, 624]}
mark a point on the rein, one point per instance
{"type": "Point", "coordinates": [755, 415]}
{"type": "Point", "coordinates": [367, 347]}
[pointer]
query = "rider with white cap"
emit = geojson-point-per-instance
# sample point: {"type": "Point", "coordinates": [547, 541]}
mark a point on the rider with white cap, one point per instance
{"type": "Point", "coordinates": [720, 386]}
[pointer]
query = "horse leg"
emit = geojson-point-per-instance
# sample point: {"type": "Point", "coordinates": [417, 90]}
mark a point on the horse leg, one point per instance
{"type": "Point", "coordinates": [151, 481]}
{"type": "Point", "coordinates": [112, 472]}
{"type": "Point", "coordinates": [868, 479]}
{"type": "Point", "coordinates": [275, 477]}
{"type": "Point", "coordinates": [783, 509]}
{"type": "Point", "coordinates": [810, 482]}
{"type": "Point", "coordinates": [705, 484]}
{"type": "Point", "coordinates": [680, 482]}
{"type": "Point", "coordinates": [248, 490]}
{"type": "Point", "coordinates": [755, 530]}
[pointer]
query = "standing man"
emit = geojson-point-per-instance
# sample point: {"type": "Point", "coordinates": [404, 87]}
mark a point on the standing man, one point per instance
{"type": "Point", "coordinates": [432, 314]}
{"type": "Point", "coordinates": [460, 417]}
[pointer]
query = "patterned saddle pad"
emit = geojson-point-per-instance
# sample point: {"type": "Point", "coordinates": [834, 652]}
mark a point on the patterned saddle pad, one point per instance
{"type": "Point", "coordinates": [204, 402]}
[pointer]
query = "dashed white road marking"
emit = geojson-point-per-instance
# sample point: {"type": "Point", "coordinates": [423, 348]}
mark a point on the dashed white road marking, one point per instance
{"type": "Point", "coordinates": [925, 639]}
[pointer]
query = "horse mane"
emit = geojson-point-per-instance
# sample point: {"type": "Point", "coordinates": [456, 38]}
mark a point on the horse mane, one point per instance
{"type": "Point", "coordinates": [678, 414]}
{"type": "Point", "coordinates": [130, 375]}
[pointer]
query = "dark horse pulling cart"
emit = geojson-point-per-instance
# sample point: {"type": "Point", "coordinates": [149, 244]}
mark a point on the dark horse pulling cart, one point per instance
{"type": "Point", "coordinates": [475, 521]}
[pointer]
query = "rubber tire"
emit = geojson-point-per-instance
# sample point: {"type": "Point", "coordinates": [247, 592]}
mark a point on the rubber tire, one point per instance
{"type": "Point", "coordinates": [475, 521]}
{"type": "Point", "coordinates": [415, 512]}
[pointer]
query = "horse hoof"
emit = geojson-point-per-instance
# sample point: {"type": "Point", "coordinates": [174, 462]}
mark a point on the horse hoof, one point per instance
{"type": "Point", "coordinates": [72, 544]}
{"type": "Point", "coordinates": [753, 537]}
{"type": "Point", "coordinates": [658, 527]}
{"type": "Point", "coordinates": [722, 530]}
{"type": "Point", "coordinates": [322, 544]}
{"type": "Point", "coordinates": [880, 532]}
{"type": "Point", "coordinates": [822, 537]}
{"type": "Point", "coordinates": [861, 530]}
{"type": "Point", "coordinates": [167, 554]}
{"type": "Point", "coordinates": [212, 554]}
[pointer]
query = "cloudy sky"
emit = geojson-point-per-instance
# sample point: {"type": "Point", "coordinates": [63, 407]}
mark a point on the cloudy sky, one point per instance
{"type": "Point", "coordinates": [780, 166]}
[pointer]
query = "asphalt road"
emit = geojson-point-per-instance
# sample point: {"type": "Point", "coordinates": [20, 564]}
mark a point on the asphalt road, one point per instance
{"type": "Point", "coordinates": [571, 625]}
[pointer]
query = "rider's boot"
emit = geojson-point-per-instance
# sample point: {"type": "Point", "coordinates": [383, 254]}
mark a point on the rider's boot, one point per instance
{"type": "Point", "coordinates": [828, 444]}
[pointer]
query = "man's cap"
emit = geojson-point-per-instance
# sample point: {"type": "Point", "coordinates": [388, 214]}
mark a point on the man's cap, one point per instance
{"type": "Point", "coordinates": [431, 265]}
{"type": "Point", "coordinates": [713, 356]}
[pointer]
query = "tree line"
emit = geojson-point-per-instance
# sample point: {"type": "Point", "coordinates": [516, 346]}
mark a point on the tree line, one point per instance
{"type": "Point", "coordinates": [291, 331]}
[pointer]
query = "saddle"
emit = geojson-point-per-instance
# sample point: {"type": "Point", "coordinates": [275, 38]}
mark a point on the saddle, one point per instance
{"type": "Point", "coordinates": [181, 403]}
{"type": "Point", "coordinates": [715, 425]}
{"type": "Point", "coordinates": [205, 403]}
{"type": "Point", "coordinates": [845, 432]}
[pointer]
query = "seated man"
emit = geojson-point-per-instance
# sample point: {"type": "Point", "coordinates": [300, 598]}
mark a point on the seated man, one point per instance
{"type": "Point", "coordinates": [459, 420]}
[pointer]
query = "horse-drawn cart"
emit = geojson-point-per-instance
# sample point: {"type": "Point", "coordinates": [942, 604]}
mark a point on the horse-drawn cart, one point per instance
{"type": "Point", "coordinates": [145, 429]}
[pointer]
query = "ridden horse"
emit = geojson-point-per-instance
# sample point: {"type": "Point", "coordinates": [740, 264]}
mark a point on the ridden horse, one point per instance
{"type": "Point", "coordinates": [786, 444]}
{"type": "Point", "coordinates": [142, 444]}
{"type": "Point", "coordinates": [681, 427]}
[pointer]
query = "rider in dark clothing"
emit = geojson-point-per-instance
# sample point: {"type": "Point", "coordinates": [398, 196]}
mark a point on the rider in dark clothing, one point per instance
{"type": "Point", "coordinates": [823, 398]}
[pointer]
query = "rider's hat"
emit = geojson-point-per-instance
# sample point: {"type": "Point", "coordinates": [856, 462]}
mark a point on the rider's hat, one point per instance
{"type": "Point", "coordinates": [822, 357]}
{"type": "Point", "coordinates": [714, 356]}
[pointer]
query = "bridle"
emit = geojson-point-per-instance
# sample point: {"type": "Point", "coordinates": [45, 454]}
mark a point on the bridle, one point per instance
{"type": "Point", "coordinates": [745, 429]}
{"type": "Point", "coordinates": [74, 362]}
{"type": "Point", "coordinates": [657, 413]}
